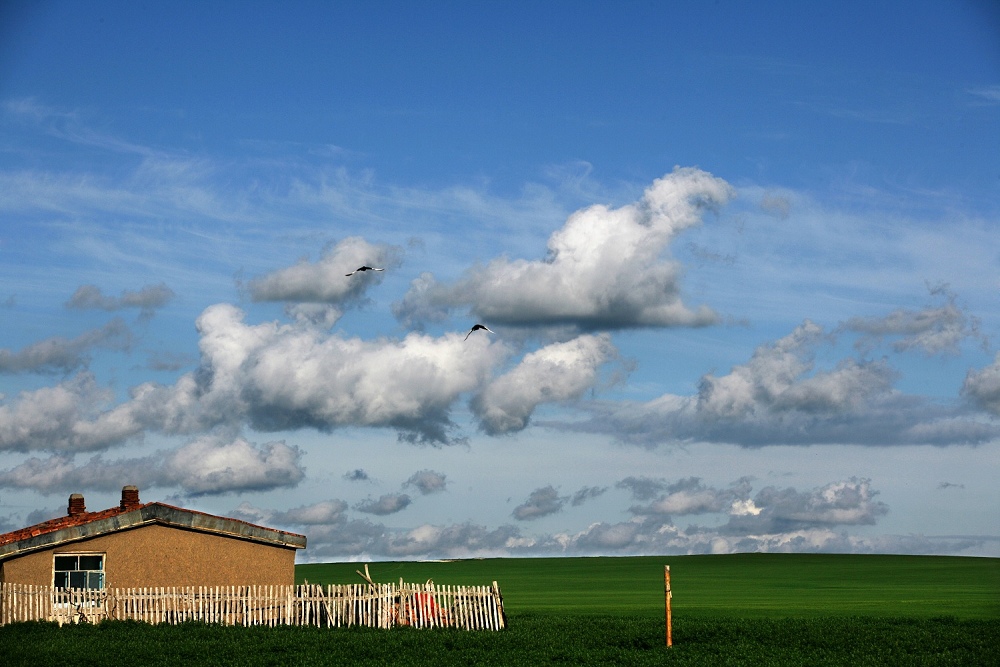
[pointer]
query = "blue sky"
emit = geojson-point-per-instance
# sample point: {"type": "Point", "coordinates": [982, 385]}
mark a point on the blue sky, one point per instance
{"type": "Point", "coordinates": [739, 262]}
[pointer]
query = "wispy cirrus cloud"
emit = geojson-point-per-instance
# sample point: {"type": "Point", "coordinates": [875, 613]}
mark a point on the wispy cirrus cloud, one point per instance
{"type": "Point", "coordinates": [989, 95]}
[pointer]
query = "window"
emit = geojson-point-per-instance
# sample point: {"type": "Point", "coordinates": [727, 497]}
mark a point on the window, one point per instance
{"type": "Point", "coordinates": [79, 571]}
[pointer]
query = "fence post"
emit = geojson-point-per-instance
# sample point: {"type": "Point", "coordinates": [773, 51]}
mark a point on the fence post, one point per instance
{"type": "Point", "coordinates": [667, 595]}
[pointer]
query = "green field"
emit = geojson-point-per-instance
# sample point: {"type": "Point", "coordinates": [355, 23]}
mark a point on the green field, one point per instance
{"type": "Point", "coordinates": [728, 610]}
{"type": "Point", "coordinates": [743, 585]}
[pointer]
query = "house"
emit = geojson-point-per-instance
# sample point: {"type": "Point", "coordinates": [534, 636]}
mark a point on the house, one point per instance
{"type": "Point", "coordinates": [146, 544]}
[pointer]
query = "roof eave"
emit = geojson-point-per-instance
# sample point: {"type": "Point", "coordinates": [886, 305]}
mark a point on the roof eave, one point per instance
{"type": "Point", "coordinates": [154, 513]}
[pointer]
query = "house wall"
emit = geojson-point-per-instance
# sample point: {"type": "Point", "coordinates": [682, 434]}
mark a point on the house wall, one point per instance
{"type": "Point", "coordinates": [158, 555]}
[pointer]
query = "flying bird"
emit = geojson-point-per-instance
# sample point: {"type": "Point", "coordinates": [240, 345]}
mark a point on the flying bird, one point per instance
{"type": "Point", "coordinates": [363, 268]}
{"type": "Point", "coordinates": [477, 327]}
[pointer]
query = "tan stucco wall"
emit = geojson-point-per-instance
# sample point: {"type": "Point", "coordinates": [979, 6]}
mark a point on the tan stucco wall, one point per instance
{"type": "Point", "coordinates": [164, 556]}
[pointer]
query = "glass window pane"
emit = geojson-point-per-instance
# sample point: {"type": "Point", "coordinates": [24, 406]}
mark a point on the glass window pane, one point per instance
{"type": "Point", "coordinates": [66, 563]}
{"type": "Point", "coordinates": [91, 562]}
{"type": "Point", "coordinates": [62, 580]}
{"type": "Point", "coordinates": [95, 580]}
{"type": "Point", "coordinates": [77, 579]}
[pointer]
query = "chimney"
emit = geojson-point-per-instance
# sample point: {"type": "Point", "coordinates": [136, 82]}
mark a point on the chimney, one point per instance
{"type": "Point", "coordinates": [130, 498]}
{"type": "Point", "coordinates": [76, 505]}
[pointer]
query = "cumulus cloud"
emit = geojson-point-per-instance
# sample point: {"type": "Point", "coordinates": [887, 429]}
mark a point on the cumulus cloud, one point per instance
{"type": "Point", "coordinates": [427, 481]}
{"type": "Point", "coordinates": [587, 493]}
{"type": "Point", "coordinates": [273, 377]}
{"type": "Point", "coordinates": [63, 355]}
{"type": "Point", "coordinates": [642, 488]}
{"type": "Point", "coordinates": [932, 329]}
{"type": "Point", "coordinates": [208, 465]}
{"type": "Point", "coordinates": [357, 475]}
{"type": "Point", "coordinates": [326, 512]}
{"type": "Point", "coordinates": [316, 290]}
{"type": "Point", "coordinates": [541, 502]}
{"type": "Point", "coordinates": [780, 397]}
{"type": "Point", "coordinates": [57, 473]}
{"type": "Point", "coordinates": [692, 496]}
{"type": "Point", "coordinates": [602, 538]}
{"type": "Point", "coordinates": [605, 268]}
{"type": "Point", "coordinates": [67, 417]}
{"type": "Point", "coordinates": [982, 387]}
{"type": "Point", "coordinates": [455, 541]}
{"type": "Point", "coordinates": [390, 503]}
{"type": "Point", "coordinates": [556, 372]}
{"type": "Point", "coordinates": [845, 503]}
{"type": "Point", "coordinates": [775, 520]}
{"type": "Point", "coordinates": [286, 377]}
{"type": "Point", "coordinates": [147, 299]}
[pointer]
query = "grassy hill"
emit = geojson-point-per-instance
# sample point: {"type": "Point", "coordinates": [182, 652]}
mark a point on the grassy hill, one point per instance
{"type": "Point", "coordinates": [741, 585]}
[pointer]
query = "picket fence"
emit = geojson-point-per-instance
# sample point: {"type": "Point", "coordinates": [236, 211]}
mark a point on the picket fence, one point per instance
{"type": "Point", "coordinates": [335, 605]}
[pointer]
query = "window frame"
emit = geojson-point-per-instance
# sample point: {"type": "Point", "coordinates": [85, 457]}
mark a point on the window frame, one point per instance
{"type": "Point", "coordinates": [101, 574]}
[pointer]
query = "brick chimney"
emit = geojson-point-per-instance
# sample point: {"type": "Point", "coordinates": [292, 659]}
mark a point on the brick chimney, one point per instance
{"type": "Point", "coordinates": [76, 505]}
{"type": "Point", "coordinates": [130, 498]}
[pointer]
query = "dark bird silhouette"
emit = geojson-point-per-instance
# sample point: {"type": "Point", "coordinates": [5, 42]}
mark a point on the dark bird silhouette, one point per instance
{"type": "Point", "coordinates": [363, 268]}
{"type": "Point", "coordinates": [477, 327]}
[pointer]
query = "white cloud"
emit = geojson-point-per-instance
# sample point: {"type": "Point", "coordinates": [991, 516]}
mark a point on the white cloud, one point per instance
{"type": "Point", "coordinates": [65, 418]}
{"type": "Point", "coordinates": [982, 386]}
{"type": "Point", "coordinates": [557, 372]}
{"type": "Point", "coordinates": [541, 502]}
{"type": "Point", "coordinates": [147, 299]}
{"type": "Point", "coordinates": [780, 397]}
{"type": "Point", "coordinates": [357, 475]}
{"type": "Point", "coordinates": [325, 512]}
{"type": "Point", "coordinates": [389, 503]}
{"type": "Point", "coordinates": [325, 282]}
{"type": "Point", "coordinates": [587, 493]}
{"type": "Point", "coordinates": [846, 503]}
{"type": "Point", "coordinates": [932, 329]}
{"type": "Point", "coordinates": [207, 465]}
{"type": "Point", "coordinates": [427, 481]}
{"type": "Point", "coordinates": [692, 496]}
{"type": "Point", "coordinates": [62, 355]}
{"type": "Point", "coordinates": [605, 268]}
{"type": "Point", "coordinates": [775, 520]}
{"type": "Point", "coordinates": [988, 95]}
{"type": "Point", "coordinates": [274, 377]}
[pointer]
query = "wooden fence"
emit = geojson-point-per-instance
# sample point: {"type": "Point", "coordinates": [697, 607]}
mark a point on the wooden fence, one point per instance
{"type": "Point", "coordinates": [336, 605]}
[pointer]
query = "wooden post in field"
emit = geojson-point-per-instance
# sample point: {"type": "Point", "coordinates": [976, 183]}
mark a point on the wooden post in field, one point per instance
{"type": "Point", "coordinates": [667, 595]}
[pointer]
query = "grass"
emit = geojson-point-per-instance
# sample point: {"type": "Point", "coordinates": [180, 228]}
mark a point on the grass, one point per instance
{"type": "Point", "coordinates": [728, 610]}
{"type": "Point", "coordinates": [744, 585]}
{"type": "Point", "coordinates": [532, 640]}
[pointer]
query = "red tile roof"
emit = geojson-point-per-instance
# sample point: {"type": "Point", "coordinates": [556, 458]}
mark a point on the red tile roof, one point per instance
{"type": "Point", "coordinates": [84, 518]}
{"type": "Point", "coordinates": [61, 522]}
